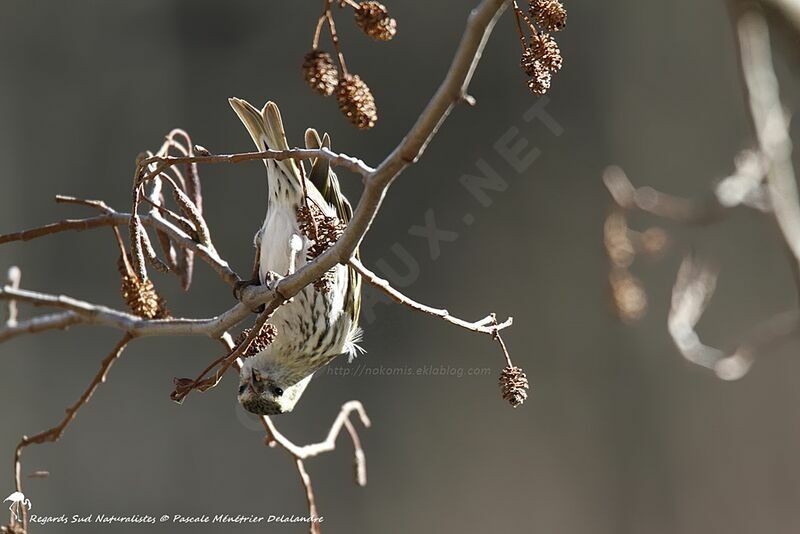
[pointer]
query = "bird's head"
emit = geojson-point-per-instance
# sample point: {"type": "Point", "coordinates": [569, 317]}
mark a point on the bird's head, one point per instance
{"type": "Point", "coordinates": [268, 388]}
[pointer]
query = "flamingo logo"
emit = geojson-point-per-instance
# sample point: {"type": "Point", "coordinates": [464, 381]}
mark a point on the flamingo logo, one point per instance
{"type": "Point", "coordinates": [18, 501]}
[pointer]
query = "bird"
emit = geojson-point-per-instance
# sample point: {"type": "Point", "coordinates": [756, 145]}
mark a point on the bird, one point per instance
{"type": "Point", "coordinates": [317, 324]}
{"type": "Point", "coordinates": [17, 500]}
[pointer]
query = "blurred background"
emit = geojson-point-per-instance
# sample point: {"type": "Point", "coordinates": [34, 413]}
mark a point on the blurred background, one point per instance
{"type": "Point", "coordinates": [619, 434]}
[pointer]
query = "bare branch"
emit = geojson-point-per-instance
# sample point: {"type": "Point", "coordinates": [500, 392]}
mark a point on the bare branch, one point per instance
{"type": "Point", "coordinates": [225, 362]}
{"type": "Point", "coordinates": [487, 325]}
{"type": "Point", "coordinates": [339, 160]}
{"type": "Point", "coordinates": [329, 443]}
{"type": "Point", "coordinates": [35, 325]}
{"type": "Point", "coordinates": [359, 459]}
{"type": "Point", "coordinates": [114, 218]}
{"type": "Point", "coordinates": [313, 513]}
{"type": "Point", "coordinates": [104, 316]}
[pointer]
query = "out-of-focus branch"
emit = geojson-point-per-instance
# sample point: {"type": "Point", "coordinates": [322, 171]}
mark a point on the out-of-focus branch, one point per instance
{"type": "Point", "coordinates": [788, 10]}
{"type": "Point", "coordinates": [743, 187]}
{"type": "Point", "coordinates": [771, 124]}
{"type": "Point", "coordinates": [691, 295]}
{"type": "Point", "coordinates": [765, 180]}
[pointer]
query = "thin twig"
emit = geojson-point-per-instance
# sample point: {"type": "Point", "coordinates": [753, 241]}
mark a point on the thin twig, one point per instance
{"type": "Point", "coordinates": [502, 343]}
{"type": "Point", "coordinates": [317, 31]}
{"type": "Point", "coordinates": [484, 326]}
{"type": "Point", "coordinates": [339, 160]}
{"type": "Point", "coordinates": [313, 513]}
{"type": "Point", "coordinates": [180, 238]}
{"type": "Point", "coordinates": [55, 433]}
{"type": "Point", "coordinates": [329, 443]}
{"type": "Point", "coordinates": [359, 458]}
{"type": "Point", "coordinates": [335, 38]}
{"type": "Point", "coordinates": [225, 362]}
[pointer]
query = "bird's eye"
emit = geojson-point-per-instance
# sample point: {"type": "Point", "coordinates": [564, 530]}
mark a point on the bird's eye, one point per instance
{"type": "Point", "coordinates": [278, 392]}
{"type": "Point", "coordinates": [242, 388]}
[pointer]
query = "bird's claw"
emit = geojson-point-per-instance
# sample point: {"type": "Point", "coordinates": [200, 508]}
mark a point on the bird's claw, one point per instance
{"type": "Point", "coordinates": [271, 281]}
{"type": "Point", "coordinates": [239, 287]}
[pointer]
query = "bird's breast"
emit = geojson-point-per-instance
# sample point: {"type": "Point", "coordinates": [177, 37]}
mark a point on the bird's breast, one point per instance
{"type": "Point", "coordinates": [313, 324]}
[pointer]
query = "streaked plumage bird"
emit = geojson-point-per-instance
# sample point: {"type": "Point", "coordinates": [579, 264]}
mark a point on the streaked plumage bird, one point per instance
{"type": "Point", "coordinates": [317, 325]}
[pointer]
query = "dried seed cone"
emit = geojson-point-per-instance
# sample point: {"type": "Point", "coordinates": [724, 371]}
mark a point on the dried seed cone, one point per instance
{"type": "Point", "coordinates": [539, 77]}
{"type": "Point", "coordinates": [529, 61]}
{"type": "Point", "coordinates": [356, 102]}
{"type": "Point", "coordinates": [264, 339]}
{"type": "Point", "coordinates": [514, 385]}
{"type": "Point", "coordinates": [324, 231]}
{"type": "Point", "coordinates": [320, 72]}
{"type": "Point", "coordinates": [142, 298]}
{"type": "Point", "coordinates": [549, 14]}
{"type": "Point", "coordinates": [545, 49]}
{"type": "Point", "coordinates": [374, 20]}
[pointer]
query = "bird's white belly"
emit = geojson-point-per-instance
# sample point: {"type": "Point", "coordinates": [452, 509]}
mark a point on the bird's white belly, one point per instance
{"type": "Point", "coordinates": [312, 323]}
{"type": "Point", "coordinates": [278, 229]}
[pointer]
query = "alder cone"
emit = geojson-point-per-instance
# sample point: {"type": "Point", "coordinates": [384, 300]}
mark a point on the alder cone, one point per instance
{"type": "Point", "coordinates": [263, 340]}
{"type": "Point", "coordinates": [320, 72]}
{"type": "Point", "coordinates": [374, 20]}
{"type": "Point", "coordinates": [549, 14]}
{"type": "Point", "coordinates": [356, 102]}
{"type": "Point", "coordinates": [514, 385]}
{"type": "Point", "coordinates": [142, 298]}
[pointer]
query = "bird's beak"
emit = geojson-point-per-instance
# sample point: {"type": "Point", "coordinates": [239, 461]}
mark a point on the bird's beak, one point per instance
{"type": "Point", "coordinates": [256, 382]}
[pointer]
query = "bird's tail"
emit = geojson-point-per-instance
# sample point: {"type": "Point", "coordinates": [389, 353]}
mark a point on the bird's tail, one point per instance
{"type": "Point", "coordinates": [266, 129]}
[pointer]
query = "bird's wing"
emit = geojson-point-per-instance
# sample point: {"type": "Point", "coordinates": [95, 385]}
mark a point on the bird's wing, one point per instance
{"type": "Point", "coordinates": [266, 129]}
{"type": "Point", "coordinates": [326, 181]}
